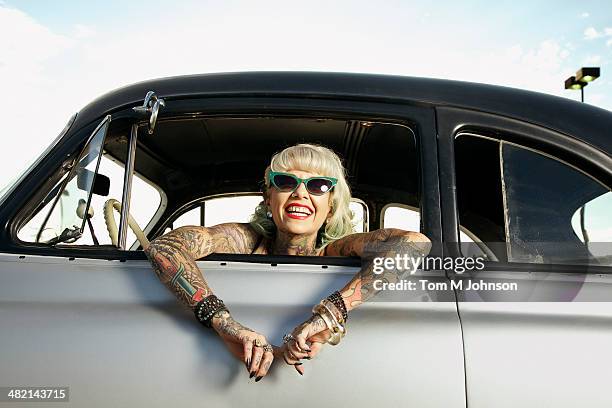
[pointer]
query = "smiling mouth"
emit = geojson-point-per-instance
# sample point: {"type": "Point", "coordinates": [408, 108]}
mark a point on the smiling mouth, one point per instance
{"type": "Point", "coordinates": [298, 212]}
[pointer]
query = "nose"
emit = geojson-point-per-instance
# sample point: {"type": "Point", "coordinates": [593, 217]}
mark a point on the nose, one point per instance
{"type": "Point", "coordinates": [301, 191]}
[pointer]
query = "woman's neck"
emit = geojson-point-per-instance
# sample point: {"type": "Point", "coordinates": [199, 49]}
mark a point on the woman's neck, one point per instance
{"type": "Point", "coordinates": [290, 244]}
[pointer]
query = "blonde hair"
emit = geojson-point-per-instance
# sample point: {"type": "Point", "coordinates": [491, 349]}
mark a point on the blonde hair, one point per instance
{"type": "Point", "coordinates": [313, 159]}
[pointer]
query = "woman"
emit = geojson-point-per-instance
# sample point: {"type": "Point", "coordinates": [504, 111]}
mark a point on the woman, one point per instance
{"type": "Point", "coordinates": [305, 211]}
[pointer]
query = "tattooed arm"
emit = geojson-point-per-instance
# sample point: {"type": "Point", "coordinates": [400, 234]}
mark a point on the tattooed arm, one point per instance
{"type": "Point", "coordinates": [313, 333]}
{"type": "Point", "coordinates": [384, 243]}
{"type": "Point", "coordinates": [173, 256]}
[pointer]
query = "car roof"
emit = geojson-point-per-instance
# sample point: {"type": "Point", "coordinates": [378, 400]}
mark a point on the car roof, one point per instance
{"type": "Point", "coordinates": [582, 121]}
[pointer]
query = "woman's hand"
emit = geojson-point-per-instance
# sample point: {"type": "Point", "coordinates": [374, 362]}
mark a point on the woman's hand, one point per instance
{"type": "Point", "coordinates": [307, 340]}
{"type": "Point", "coordinates": [245, 344]}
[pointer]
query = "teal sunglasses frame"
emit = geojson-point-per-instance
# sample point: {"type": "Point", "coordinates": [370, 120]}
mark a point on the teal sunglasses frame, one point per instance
{"type": "Point", "coordinates": [300, 181]}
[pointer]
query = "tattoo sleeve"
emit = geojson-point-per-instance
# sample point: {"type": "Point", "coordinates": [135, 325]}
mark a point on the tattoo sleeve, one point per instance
{"type": "Point", "coordinates": [228, 326]}
{"type": "Point", "coordinates": [381, 243]}
{"type": "Point", "coordinates": [173, 256]}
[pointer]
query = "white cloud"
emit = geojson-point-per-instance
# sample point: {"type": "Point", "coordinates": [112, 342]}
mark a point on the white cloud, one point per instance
{"type": "Point", "coordinates": [29, 93]}
{"type": "Point", "coordinates": [82, 31]}
{"type": "Point", "coordinates": [584, 15]}
{"type": "Point", "coordinates": [609, 42]}
{"type": "Point", "coordinates": [591, 33]}
{"type": "Point", "coordinates": [55, 75]}
{"type": "Point", "coordinates": [592, 60]}
{"type": "Point", "coordinates": [25, 42]}
{"type": "Point", "coordinates": [608, 31]}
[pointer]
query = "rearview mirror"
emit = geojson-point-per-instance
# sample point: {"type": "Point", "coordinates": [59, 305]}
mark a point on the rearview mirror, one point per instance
{"type": "Point", "coordinates": [101, 185]}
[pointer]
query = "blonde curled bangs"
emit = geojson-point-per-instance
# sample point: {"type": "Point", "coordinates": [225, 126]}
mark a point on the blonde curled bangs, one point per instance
{"type": "Point", "coordinates": [319, 160]}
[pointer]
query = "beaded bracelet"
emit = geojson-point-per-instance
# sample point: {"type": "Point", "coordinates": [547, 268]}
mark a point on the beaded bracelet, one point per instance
{"type": "Point", "coordinates": [337, 300]}
{"type": "Point", "coordinates": [206, 309]}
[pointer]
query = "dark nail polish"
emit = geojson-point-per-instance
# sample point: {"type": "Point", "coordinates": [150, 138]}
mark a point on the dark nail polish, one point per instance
{"type": "Point", "coordinates": [297, 364]}
{"type": "Point", "coordinates": [300, 373]}
{"type": "Point", "coordinates": [252, 374]}
{"type": "Point", "coordinates": [308, 358]}
{"type": "Point", "coordinates": [258, 378]}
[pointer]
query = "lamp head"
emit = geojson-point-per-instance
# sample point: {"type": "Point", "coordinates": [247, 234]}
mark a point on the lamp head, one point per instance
{"type": "Point", "coordinates": [587, 74]}
{"type": "Point", "coordinates": [572, 83]}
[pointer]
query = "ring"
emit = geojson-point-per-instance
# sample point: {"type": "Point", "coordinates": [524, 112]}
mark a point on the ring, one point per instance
{"type": "Point", "coordinates": [288, 337]}
{"type": "Point", "coordinates": [268, 348]}
{"type": "Point", "coordinates": [258, 343]}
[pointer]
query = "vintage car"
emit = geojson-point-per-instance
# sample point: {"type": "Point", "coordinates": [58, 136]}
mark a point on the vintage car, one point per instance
{"type": "Point", "coordinates": [523, 178]}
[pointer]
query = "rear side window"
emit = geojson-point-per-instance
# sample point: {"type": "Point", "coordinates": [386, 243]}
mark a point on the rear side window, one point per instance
{"type": "Point", "coordinates": [532, 204]}
{"type": "Point", "coordinates": [409, 219]}
{"type": "Point", "coordinates": [216, 211]}
{"type": "Point", "coordinates": [402, 217]}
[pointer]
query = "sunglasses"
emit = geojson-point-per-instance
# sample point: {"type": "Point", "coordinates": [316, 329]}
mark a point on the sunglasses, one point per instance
{"type": "Point", "coordinates": [287, 182]}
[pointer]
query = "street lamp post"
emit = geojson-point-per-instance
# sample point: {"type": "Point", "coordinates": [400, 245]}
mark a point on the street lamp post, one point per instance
{"type": "Point", "coordinates": [583, 76]}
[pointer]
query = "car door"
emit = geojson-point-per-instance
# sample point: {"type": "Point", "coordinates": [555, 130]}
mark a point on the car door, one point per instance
{"type": "Point", "coordinates": [96, 319]}
{"type": "Point", "coordinates": [533, 197]}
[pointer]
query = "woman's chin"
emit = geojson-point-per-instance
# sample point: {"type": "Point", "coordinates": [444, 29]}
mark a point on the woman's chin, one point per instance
{"type": "Point", "coordinates": [297, 229]}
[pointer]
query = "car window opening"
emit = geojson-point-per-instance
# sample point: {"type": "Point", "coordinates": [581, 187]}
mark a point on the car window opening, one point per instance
{"type": "Point", "coordinates": [190, 173]}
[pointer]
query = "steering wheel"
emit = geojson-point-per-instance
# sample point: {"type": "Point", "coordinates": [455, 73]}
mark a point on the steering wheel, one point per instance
{"type": "Point", "coordinates": [111, 225]}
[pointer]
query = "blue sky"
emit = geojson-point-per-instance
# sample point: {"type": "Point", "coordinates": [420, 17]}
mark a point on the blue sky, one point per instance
{"type": "Point", "coordinates": [57, 56]}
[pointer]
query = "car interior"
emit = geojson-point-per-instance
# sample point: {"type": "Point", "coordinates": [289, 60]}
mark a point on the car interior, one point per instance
{"type": "Point", "coordinates": [189, 160]}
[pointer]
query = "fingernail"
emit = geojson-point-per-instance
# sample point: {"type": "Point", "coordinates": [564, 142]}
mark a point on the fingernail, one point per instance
{"type": "Point", "coordinates": [246, 363]}
{"type": "Point", "coordinates": [298, 364]}
{"type": "Point", "coordinates": [308, 358]}
{"type": "Point", "coordinates": [252, 374]}
{"type": "Point", "coordinates": [258, 378]}
{"type": "Point", "coordinates": [300, 373]}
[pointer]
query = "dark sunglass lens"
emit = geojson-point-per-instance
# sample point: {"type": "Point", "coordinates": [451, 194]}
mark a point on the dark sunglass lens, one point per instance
{"type": "Point", "coordinates": [284, 183]}
{"type": "Point", "coordinates": [319, 186]}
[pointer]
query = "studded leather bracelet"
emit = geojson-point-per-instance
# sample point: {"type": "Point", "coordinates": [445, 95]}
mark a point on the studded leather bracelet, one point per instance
{"type": "Point", "coordinates": [206, 309]}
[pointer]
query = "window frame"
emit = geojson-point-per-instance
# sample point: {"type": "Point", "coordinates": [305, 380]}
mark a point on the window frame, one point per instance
{"type": "Point", "coordinates": [419, 118]}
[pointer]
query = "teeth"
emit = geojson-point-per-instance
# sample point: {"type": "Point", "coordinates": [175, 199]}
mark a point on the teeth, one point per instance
{"type": "Point", "coordinates": [300, 210]}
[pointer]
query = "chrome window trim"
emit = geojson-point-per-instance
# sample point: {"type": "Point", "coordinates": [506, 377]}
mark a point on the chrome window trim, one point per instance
{"type": "Point", "coordinates": [366, 213]}
{"type": "Point", "coordinates": [127, 187]}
